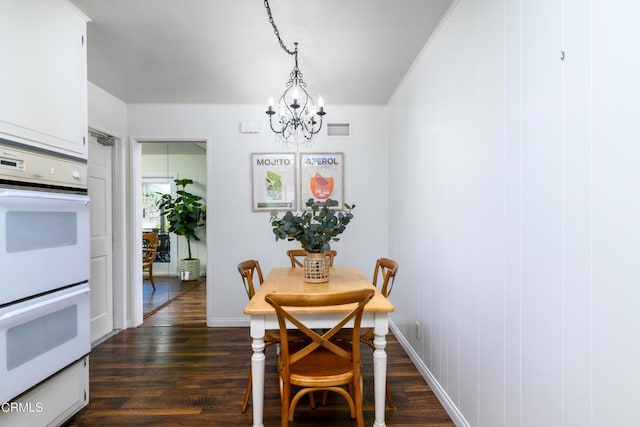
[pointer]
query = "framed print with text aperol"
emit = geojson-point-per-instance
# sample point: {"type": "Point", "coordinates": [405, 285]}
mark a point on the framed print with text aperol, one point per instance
{"type": "Point", "coordinates": [322, 178]}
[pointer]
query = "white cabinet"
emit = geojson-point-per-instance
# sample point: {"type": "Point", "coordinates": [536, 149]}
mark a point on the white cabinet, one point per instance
{"type": "Point", "coordinates": [53, 401]}
{"type": "Point", "coordinates": [43, 77]}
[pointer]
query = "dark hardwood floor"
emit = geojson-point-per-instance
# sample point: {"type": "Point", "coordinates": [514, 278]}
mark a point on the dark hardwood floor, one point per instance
{"type": "Point", "coordinates": [174, 371]}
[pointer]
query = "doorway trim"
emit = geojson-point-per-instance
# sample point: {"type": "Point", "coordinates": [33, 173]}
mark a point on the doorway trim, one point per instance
{"type": "Point", "coordinates": [135, 219]}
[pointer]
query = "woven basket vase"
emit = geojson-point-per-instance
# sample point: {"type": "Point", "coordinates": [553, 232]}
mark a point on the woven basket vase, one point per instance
{"type": "Point", "coordinates": [316, 268]}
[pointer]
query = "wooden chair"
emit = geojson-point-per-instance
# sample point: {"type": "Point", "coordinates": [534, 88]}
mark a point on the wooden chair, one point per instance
{"type": "Point", "coordinates": [321, 364]}
{"type": "Point", "coordinates": [149, 250]}
{"type": "Point", "coordinates": [296, 256]}
{"type": "Point", "coordinates": [250, 271]}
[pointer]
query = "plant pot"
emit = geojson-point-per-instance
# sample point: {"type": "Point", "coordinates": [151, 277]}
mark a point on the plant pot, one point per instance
{"type": "Point", "coordinates": [189, 269]}
{"type": "Point", "coordinates": [316, 268]}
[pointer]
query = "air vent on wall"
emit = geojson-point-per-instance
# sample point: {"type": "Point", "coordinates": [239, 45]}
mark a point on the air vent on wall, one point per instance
{"type": "Point", "coordinates": [339, 130]}
{"type": "Point", "coordinates": [250, 126]}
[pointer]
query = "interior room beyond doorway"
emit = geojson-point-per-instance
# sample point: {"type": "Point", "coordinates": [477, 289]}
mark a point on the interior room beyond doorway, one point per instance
{"type": "Point", "coordinates": [161, 164]}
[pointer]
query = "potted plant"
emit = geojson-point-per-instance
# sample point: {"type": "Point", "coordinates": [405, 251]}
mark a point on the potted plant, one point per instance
{"type": "Point", "coordinates": [315, 229]}
{"type": "Point", "coordinates": [185, 215]}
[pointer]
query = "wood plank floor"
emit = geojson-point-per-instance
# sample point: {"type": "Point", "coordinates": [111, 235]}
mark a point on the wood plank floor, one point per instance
{"type": "Point", "coordinates": [174, 371]}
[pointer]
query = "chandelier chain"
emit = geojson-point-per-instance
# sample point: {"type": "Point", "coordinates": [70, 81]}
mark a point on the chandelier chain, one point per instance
{"type": "Point", "coordinates": [277, 32]}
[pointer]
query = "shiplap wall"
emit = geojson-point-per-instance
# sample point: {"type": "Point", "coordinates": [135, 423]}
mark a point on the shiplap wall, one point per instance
{"type": "Point", "coordinates": [515, 215]}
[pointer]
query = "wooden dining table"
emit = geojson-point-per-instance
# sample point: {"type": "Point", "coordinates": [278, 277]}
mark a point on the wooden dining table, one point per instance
{"type": "Point", "coordinates": [290, 280]}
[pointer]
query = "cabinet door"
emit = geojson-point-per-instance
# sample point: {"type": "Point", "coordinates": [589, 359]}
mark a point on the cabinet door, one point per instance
{"type": "Point", "coordinates": [51, 402]}
{"type": "Point", "coordinates": [43, 78]}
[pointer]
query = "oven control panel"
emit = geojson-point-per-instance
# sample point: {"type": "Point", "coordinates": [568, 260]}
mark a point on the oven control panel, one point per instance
{"type": "Point", "coordinates": [22, 165]}
{"type": "Point", "coordinates": [12, 164]}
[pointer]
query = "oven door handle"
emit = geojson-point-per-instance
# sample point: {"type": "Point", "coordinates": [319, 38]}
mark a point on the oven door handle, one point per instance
{"type": "Point", "coordinates": [49, 196]}
{"type": "Point", "coordinates": [10, 314]}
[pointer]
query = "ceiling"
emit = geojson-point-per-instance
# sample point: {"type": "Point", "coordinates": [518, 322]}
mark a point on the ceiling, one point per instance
{"type": "Point", "coordinates": [225, 51]}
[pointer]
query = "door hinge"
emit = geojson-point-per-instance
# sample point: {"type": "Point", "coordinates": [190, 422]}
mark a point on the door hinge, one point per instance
{"type": "Point", "coordinates": [562, 55]}
{"type": "Point", "coordinates": [82, 40]}
{"type": "Point", "coordinates": [84, 140]}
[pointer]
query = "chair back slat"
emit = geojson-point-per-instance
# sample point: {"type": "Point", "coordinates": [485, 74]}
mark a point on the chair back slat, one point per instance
{"type": "Point", "coordinates": [296, 256]}
{"type": "Point", "coordinates": [248, 270]}
{"type": "Point", "coordinates": [385, 270]}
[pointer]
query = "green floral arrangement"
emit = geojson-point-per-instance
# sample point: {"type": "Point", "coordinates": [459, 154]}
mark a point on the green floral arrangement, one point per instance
{"type": "Point", "coordinates": [314, 228]}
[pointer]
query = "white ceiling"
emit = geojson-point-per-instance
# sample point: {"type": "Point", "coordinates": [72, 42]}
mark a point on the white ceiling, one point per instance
{"type": "Point", "coordinates": [225, 51]}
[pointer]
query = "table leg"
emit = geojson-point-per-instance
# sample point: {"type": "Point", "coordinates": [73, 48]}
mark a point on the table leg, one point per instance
{"type": "Point", "coordinates": [257, 373]}
{"type": "Point", "coordinates": [380, 370]}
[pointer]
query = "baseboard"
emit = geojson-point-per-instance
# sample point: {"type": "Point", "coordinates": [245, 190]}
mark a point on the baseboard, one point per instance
{"type": "Point", "coordinates": [105, 337]}
{"type": "Point", "coordinates": [441, 394]}
{"type": "Point", "coordinates": [228, 322]}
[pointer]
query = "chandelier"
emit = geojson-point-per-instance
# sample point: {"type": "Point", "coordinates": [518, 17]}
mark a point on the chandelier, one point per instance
{"type": "Point", "coordinates": [295, 120]}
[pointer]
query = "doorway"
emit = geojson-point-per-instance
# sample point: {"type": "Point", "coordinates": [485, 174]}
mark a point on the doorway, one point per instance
{"type": "Point", "coordinates": [161, 163]}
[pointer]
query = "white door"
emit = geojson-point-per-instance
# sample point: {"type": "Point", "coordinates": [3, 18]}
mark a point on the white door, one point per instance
{"type": "Point", "coordinates": [100, 191]}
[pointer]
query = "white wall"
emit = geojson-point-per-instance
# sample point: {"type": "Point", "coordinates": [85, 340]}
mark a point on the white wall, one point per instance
{"type": "Point", "coordinates": [234, 231]}
{"type": "Point", "coordinates": [518, 244]}
{"type": "Point", "coordinates": [107, 113]}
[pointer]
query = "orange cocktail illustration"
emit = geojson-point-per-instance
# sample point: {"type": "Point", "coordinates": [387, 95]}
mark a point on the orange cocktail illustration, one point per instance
{"type": "Point", "coordinates": [321, 186]}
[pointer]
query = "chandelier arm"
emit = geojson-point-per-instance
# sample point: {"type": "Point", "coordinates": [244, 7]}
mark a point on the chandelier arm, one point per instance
{"type": "Point", "coordinates": [271, 124]}
{"type": "Point", "coordinates": [310, 129]}
{"type": "Point", "coordinates": [283, 129]}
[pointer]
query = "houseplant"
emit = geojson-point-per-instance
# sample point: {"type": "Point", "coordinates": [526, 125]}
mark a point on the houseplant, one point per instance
{"type": "Point", "coordinates": [315, 229]}
{"type": "Point", "coordinates": [185, 214]}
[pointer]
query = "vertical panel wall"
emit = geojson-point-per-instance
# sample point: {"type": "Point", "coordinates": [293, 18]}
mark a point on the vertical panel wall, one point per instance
{"type": "Point", "coordinates": [541, 224]}
{"type": "Point", "coordinates": [515, 139]}
{"type": "Point", "coordinates": [577, 222]}
{"type": "Point", "coordinates": [615, 212]}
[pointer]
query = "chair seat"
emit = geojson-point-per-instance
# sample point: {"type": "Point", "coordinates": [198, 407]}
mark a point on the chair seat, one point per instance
{"type": "Point", "coordinates": [322, 368]}
{"type": "Point", "coordinates": [292, 335]}
{"type": "Point", "coordinates": [345, 334]}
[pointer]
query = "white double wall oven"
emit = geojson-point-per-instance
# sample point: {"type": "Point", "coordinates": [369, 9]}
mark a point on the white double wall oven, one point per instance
{"type": "Point", "coordinates": [44, 266]}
